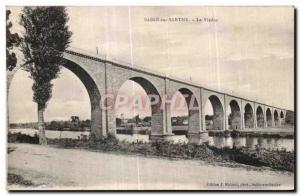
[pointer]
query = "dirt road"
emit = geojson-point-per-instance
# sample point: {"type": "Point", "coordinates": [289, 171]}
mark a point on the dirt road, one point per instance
{"type": "Point", "coordinates": [52, 168]}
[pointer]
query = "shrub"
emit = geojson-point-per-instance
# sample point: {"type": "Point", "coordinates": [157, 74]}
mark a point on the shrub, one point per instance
{"type": "Point", "coordinates": [17, 179]}
{"type": "Point", "coordinates": [235, 134]}
{"type": "Point", "coordinates": [276, 159]}
{"type": "Point", "coordinates": [22, 138]}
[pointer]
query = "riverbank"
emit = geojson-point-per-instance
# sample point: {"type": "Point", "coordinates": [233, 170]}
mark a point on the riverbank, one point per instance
{"type": "Point", "coordinates": [275, 159]}
{"type": "Point", "coordinates": [217, 141]}
{"type": "Point", "coordinates": [253, 133]}
{"type": "Point", "coordinates": [51, 168]}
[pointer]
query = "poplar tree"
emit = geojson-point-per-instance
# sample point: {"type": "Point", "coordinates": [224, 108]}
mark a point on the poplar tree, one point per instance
{"type": "Point", "coordinates": [45, 39]}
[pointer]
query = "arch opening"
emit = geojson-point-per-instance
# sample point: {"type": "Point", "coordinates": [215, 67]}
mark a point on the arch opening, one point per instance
{"type": "Point", "coordinates": [282, 118]}
{"type": "Point", "coordinates": [185, 116]}
{"type": "Point", "coordinates": [276, 118]}
{"type": "Point", "coordinates": [94, 95]}
{"type": "Point", "coordinates": [234, 116]}
{"type": "Point", "coordinates": [281, 115]}
{"type": "Point", "coordinates": [260, 117]}
{"type": "Point", "coordinates": [248, 116]}
{"type": "Point", "coordinates": [139, 115]}
{"type": "Point", "coordinates": [214, 120]}
{"type": "Point", "coordinates": [70, 118]}
{"type": "Point", "coordinates": [269, 117]}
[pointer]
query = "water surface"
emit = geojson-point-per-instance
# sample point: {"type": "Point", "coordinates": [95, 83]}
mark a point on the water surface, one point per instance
{"type": "Point", "coordinates": [220, 142]}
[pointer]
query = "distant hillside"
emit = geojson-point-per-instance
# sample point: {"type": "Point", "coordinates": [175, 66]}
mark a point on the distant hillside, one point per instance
{"type": "Point", "coordinates": [29, 125]}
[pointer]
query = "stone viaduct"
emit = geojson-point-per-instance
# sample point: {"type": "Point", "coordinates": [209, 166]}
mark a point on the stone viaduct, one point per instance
{"type": "Point", "coordinates": [101, 76]}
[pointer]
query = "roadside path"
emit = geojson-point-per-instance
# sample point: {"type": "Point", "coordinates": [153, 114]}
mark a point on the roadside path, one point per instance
{"type": "Point", "coordinates": [54, 168]}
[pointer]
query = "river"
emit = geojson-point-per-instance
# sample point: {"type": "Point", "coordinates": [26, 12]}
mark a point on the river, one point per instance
{"type": "Point", "coordinates": [220, 142]}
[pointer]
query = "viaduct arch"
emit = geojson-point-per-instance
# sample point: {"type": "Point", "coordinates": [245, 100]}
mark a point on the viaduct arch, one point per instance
{"type": "Point", "coordinates": [248, 116]}
{"type": "Point", "coordinates": [269, 117]}
{"type": "Point", "coordinates": [235, 116]}
{"type": "Point", "coordinates": [276, 118]}
{"type": "Point", "coordinates": [193, 110]}
{"type": "Point", "coordinates": [260, 117]}
{"type": "Point", "coordinates": [156, 110]}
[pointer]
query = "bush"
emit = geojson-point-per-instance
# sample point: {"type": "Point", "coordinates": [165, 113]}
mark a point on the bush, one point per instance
{"type": "Point", "coordinates": [235, 134]}
{"type": "Point", "coordinates": [22, 138]}
{"type": "Point", "coordinates": [227, 133]}
{"type": "Point", "coordinates": [17, 179]}
{"type": "Point", "coordinates": [276, 159]}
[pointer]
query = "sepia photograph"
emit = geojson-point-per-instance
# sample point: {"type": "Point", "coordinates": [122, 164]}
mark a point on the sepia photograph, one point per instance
{"type": "Point", "coordinates": [143, 98]}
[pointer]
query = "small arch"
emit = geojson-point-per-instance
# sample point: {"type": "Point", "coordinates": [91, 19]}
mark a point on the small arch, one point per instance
{"type": "Point", "coordinates": [248, 116]}
{"type": "Point", "coordinates": [276, 118]}
{"type": "Point", "coordinates": [234, 116]}
{"type": "Point", "coordinates": [281, 115]}
{"type": "Point", "coordinates": [269, 117]}
{"type": "Point", "coordinates": [260, 117]}
{"type": "Point", "coordinates": [216, 120]}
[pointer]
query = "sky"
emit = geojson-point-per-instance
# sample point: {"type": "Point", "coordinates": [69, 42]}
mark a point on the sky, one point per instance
{"type": "Point", "coordinates": [247, 51]}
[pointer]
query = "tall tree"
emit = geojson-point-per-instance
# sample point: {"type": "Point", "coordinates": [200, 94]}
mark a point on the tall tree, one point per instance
{"type": "Point", "coordinates": [12, 40]}
{"type": "Point", "coordinates": [45, 39]}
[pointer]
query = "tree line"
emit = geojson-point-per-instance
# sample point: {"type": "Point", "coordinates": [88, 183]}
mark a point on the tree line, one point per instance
{"type": "Point", "coordinates": [82, 125]}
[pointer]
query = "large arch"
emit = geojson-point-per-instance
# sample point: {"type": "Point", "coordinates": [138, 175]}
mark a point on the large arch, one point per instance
{"type": "Point", "coordinates": [193, 110]}
{"type": "Point", "coordinates": [276, 118]}
{"type": "Point", "coordinates": [260, 120]}
{"type": "Point", "coordinates": [234, 118]}
{"type": "Point", "coordinates": [94, 94]}
{"type": "Point", "coordinates": [91, 88]}
{"type": "Point", "coordinates": [218, 113]}
{"type": "Point", "coordinates": [156, 110]}
{"type": "Point", "coordinates": [248, 116]}
{"type": "Point", "coordinates": [269, 117]}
